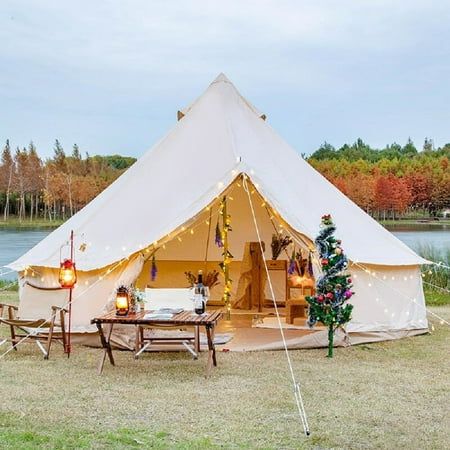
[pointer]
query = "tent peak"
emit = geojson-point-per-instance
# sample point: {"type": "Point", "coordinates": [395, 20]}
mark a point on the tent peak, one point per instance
{"type": "Point", "coordinates": [221, 78]}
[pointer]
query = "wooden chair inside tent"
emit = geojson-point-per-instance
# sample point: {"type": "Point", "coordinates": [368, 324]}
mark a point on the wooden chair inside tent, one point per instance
{"type": "Point", "coordinates": [171, 298]}
{"type": "Point", "coordinates": [41, 330]}
{"type": "Point", "coordinates": [296, 304]}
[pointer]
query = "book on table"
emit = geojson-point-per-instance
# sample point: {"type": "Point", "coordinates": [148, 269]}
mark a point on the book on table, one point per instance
{"type": "Point", "coordinates": [163, 313]}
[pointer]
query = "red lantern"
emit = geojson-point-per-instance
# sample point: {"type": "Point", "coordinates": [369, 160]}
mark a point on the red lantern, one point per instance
{"type": "Point", "coordinates": [67, 274]}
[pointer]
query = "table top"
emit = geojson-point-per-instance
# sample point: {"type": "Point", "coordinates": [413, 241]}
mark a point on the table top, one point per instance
{"type": "Point", "coordinates": [182, 318]}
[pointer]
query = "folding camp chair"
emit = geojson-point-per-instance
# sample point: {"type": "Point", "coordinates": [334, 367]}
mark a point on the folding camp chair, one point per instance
{"type": "Point", "coordinates": [37, 330]}
{"type": "Point", "coordinates": [156, 299]}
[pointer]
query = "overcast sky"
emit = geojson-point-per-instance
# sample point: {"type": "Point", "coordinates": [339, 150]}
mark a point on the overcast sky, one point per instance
{"type": "Point", "coordinates": [110, 75]}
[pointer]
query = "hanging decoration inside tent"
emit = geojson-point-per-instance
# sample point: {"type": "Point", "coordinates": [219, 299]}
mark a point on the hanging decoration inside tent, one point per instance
{"type": "Point", "coordinates": [122, 301]}
{"type": "Point", "coordinates": [333, 289]}
{"type": "Point", "coordinates": [218, 238]}
{"type": "Point", "coordinates": [310, 266]}
{"type": "Point", "coordinates": [210, 278]}
{"type": "Point", "coordinates": [297, 264]}
{"type": "Point", "coordinates": [154, 268]}
{"type": "Point", "coordinates": [279, 243]}
{"type": "Point", "coordinates": [67, 280]}
{"type": "Point", "coordinates": [227, 256]}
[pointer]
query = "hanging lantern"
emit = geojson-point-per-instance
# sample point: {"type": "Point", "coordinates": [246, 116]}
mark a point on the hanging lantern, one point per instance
{"type": "Point", "coordinates": [67, 274]}
{"type": "Point", "coordinates": [122, 301]}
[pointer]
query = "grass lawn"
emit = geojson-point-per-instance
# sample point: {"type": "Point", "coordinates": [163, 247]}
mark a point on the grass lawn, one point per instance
{"type": "Point", "coordinates": [14, 222]}
{"type": "Point", "coordinates": [386, 395]}
{"type": "Point", "coordinates": [416, 222]}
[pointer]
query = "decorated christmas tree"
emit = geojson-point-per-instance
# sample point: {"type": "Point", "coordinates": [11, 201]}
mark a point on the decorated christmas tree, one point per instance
{"type": "Point", "coordinates": [330, 304]}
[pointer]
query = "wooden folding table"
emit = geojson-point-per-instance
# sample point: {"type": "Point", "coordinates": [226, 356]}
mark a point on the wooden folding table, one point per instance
{"type": "Point", "coordinates": [106, 323]}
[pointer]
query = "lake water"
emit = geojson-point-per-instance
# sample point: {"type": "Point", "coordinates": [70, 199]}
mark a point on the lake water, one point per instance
{"type": "Point", "coordinates": [15, 242]}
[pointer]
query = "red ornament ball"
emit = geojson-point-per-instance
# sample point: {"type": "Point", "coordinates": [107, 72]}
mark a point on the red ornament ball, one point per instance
{"type": "Point", "coordinates": [324, 261]}
{"type": "Point", "coordinates": [329, 295]}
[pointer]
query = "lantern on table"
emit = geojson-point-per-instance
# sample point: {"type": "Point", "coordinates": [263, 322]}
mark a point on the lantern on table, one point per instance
{"type": "Point", "coordinates": [122, 301]}
{"type": "Point", "coordinates": [67, 274]}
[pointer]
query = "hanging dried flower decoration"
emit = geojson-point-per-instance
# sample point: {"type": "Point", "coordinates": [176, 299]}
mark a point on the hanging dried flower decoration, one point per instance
{"type": "Point", "coordinates": [279, 243]}
{"type": "Point", "coordinates": [154, 269]}
{"type": "Point", "coordinates": [218, 238]}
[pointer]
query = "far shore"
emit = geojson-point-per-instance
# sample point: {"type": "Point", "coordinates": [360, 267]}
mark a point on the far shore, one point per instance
{"type": "Point", "coordinates": [14, 223]}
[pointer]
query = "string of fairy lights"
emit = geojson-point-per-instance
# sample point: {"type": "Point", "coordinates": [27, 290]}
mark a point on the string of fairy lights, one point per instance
{"type": "Point", "coordinates": [283, 227]}
{"type": "Point", "coordinates": [185, 229]}
{"type": "Point", "coordinates": [190, 228]}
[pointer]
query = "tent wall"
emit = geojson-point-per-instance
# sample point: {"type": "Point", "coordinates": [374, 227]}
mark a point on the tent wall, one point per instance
{"type": "Point", "coordinates": [91, 295]}
{"type": "Point", "coordinates": [387, 298]}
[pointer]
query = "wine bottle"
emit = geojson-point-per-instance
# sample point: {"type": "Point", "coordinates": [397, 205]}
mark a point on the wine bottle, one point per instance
{"type": "Point", "coordinates": [199, 296]}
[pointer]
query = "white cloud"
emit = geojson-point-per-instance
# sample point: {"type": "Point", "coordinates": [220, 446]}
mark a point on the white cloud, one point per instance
{"type": "Point", "coordinates": [99, 58]}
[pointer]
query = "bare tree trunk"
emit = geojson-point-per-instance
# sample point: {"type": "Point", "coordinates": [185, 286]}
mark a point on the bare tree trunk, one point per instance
{"type": "Point", "coordinates": [8, 193]}
{"type": "Point", "coordinates": [69, 185]}
{"type": "Point", "coordinates": [31, 207]}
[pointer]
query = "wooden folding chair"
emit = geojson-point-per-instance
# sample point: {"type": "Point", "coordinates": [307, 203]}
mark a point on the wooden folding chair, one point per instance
{"type": "Point", "coordinates": [37, 330]}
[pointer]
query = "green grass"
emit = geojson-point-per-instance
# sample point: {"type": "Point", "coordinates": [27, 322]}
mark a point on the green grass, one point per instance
{"type": "Point", "coordinates": [375, 396]}
{"type": "Point", "coordinates": [426, 222]}
{"type": "Point", "coordinates": [9, 285]}
{"type": "Point", "coordinates": [14, 222]}
{"type": "Point", "coordinates": [433, 297]}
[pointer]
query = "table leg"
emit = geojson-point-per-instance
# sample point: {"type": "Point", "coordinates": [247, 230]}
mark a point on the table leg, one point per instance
{"type": "Point", "coordinates": [106, 346]}
{"type": "Point", "coordinates": [197, 339]}
{"type": "Point", "coordinates": [211, 350]}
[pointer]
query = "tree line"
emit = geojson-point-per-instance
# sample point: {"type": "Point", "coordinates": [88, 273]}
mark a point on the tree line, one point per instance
{"type": "Point", "coordinates": [392, 182]}
{"type": "Point", "coordinates": [386, 183]}
{"type": "Point", "coordinates": [56, 188]}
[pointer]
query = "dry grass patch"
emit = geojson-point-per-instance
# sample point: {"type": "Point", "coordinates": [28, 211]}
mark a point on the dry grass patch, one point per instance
{"type": "Point", "coordinates": [385, 395]}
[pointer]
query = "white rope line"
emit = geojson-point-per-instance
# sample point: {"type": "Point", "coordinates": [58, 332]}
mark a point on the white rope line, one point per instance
{"type": "Point", "coordinates": [2, 274]}
{"type": "Point", "coordinates": [296, 384]}
{"type": "Point", "coordinates": [441, 264]}
{"type": "Point", "coordinates": [436, 286]}
{"type": "Point", "coordinates": [52, 316]}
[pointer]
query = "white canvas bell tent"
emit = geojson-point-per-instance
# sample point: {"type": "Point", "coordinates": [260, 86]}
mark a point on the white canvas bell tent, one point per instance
{"type": "Point", "coordinates": [167, 199]}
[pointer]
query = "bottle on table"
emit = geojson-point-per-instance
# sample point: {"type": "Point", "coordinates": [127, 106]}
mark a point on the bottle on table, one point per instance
{"type": "Point", "coordinates": [199, 294]}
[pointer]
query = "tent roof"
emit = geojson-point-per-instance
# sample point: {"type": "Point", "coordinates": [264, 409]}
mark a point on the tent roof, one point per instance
{"type": "Point", "coordinates": [220, 135]}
